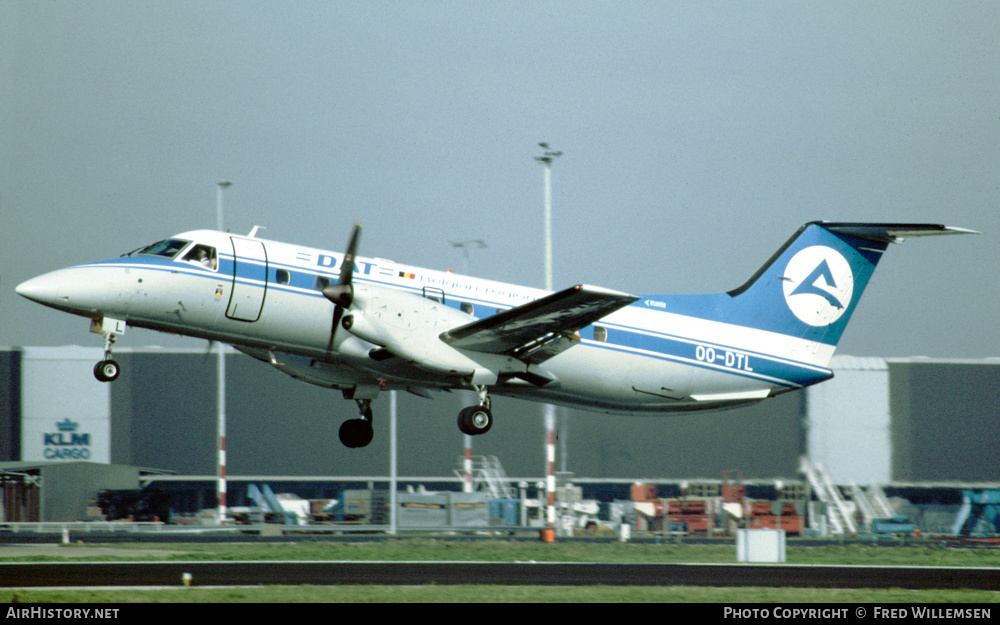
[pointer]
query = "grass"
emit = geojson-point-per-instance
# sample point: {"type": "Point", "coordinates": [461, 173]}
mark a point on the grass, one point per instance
{"type": "Point", "coordinates": [926, 553]}
{"type": "Point", "coordinates": [497, 594]}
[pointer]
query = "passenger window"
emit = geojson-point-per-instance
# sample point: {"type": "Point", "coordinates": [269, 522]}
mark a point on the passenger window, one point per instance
{"type": "Point", "coordinates": [468, 308]}
{"type": "Point", "coordinates": [322, 282]}
{"type": "Point", "coordinates": [282, 276]}
{"type": "Point", "coordinates": [601, 334]}
{"type": "Point", "coordinates": [203, 255]}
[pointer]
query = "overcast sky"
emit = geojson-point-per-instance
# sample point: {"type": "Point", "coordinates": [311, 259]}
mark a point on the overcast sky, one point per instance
{"type": "Point", "coordinates": [697, 137]}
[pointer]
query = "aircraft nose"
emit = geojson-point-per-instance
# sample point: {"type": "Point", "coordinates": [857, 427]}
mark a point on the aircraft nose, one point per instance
{"type": "Point", "coordinates": [45, 289]}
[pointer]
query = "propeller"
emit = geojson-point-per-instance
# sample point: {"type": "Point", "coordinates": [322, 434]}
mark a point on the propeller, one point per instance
{"type": "Point", "coordinates": [342, 293]}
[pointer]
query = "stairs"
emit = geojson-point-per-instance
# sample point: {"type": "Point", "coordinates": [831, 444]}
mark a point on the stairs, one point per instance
{"type": "Point", "coordinates": [872, 503]}
{"type": "Point", "coordinates": [488, 475]}
{"type": "Point", "coordinates": [840, 513]}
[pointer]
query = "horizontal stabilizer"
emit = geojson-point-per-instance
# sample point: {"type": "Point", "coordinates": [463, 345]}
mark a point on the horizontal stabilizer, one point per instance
{"type": "Point", "coordinates": [528, 331]}
{"type": "Point", "coordinates": [891, 233]}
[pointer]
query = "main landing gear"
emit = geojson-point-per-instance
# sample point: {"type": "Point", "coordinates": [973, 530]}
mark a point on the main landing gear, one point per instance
{"type": "Point", "coordinates": [476, 420]}
{"type": "Point", "coordinates": [358, 432]}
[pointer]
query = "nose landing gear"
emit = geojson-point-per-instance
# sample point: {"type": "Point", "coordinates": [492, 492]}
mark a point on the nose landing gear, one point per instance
{"type": "Point", "coordinates": [107, 370]}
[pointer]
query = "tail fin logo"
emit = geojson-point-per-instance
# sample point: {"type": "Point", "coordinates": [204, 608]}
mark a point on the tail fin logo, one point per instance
{"type": "Point", "coordinates": [818, 285]}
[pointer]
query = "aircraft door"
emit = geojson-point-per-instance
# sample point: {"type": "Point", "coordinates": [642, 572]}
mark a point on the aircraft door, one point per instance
{"type": "Point", "coordinates": [246, 299]}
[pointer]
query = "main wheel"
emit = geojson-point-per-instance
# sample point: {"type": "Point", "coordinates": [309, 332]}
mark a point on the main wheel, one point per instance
{"type": "Point", "coordinates": [475, 420]}
{"type": "Point", "coordinates": [356, 433]}
{"type": "Point", "coordinates": [106, 371]}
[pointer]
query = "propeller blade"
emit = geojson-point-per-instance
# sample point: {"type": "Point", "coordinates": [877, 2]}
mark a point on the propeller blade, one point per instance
{"type": "Point", "coordinates": [347, 267]}
{"type": "Point", "coordinates": [342, 295]}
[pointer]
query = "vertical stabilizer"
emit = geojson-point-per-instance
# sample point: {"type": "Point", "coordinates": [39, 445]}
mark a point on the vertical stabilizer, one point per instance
{"type": "Point", "coordinates": [811, 286]}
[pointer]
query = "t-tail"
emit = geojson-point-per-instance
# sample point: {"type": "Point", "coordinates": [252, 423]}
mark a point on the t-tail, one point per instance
{"type": "Point", "coordinates": [804, 295]}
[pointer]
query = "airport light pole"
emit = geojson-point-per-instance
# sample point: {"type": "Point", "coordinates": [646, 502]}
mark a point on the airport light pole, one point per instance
{"type": "Point", "coordinates": [550, 411]}
{"type": "Point", "coordinates": [221, 186]}
{"type": "Point", "coordinates": [466, 438]}
{"type": "Point", "coordinates": [546, 160]}
{"type": "Point", "coordinates": [393, 464]}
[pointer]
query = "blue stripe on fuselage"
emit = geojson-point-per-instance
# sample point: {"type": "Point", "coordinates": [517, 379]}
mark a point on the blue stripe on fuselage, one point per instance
{"type": "Point", "coordinates": [624, 339]}
{"type": "Point", "coordinates": [713, 356]}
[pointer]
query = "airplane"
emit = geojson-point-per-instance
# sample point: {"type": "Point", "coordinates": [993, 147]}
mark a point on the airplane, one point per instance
{"type": "Point", "coordinates": [368, 325]}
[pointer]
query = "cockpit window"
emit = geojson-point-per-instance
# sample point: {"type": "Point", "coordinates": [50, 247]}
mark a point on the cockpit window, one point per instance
{"type": "Point", "coordinates": [165, 249]}
{"type": "Point", "coordinates": [203, 255]}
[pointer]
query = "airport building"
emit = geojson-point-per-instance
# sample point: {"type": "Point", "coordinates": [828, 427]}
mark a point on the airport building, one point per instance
{"type": "Point", "coordinates": [906, 422]}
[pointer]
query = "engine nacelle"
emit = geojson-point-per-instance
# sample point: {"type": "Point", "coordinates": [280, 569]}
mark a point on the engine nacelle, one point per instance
{"type": "Point", "coordinates": [358, 324]}
{"type": "Point", "coordinates": [409, 326]}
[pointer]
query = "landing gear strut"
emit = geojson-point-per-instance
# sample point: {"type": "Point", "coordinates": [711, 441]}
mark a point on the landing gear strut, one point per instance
{"type": "Point", "coordinates": [476, 420]}
{"type": "Point", "coordinates": [358, 432]}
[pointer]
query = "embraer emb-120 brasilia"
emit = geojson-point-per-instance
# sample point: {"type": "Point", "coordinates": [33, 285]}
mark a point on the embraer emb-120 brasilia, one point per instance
{"type": "Point", "coordinates": [366, 325]}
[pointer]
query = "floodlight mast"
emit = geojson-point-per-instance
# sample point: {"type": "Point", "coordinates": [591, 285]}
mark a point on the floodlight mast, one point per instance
{"type": "Point", "coordinates": [221, 489]}
{"type": "Point", "coordinates": [550, 411]}
{"type": "Point", "coordinates": [546, 160]}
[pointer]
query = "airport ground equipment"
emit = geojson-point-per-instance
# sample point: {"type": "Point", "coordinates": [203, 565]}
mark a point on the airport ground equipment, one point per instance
{"type": "Point", "coordinates": [265, 499]}
{"type": "Point", "coordinates": [134, 504]}
{"type": "Point", "coordinates": [977, 505]}
{"type": "Point", "coordinates": [896, 525]}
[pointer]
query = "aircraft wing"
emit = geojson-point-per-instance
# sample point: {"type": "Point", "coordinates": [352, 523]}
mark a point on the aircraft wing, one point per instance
{"type": "Point", "coordinates": [539, 330]}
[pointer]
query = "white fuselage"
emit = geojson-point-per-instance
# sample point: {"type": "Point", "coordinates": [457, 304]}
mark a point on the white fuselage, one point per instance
{"type": "Point", "coordinates": [264, 298]}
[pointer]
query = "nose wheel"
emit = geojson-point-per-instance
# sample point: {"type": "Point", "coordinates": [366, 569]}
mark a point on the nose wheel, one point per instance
{"type": "Point", "coordinates": [107, 370]}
